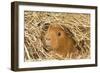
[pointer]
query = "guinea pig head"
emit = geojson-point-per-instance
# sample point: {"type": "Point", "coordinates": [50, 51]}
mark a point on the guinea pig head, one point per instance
{"type": "Point", "coordinates": [58, 38]}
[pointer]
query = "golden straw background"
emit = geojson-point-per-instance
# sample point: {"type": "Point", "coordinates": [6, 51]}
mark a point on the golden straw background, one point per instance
{"type": "Point", "coordinates": [35, 28]}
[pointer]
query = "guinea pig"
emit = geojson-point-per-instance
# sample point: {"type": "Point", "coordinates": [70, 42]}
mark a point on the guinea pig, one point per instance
{"type": "Point", "coordinates": [59, 38]}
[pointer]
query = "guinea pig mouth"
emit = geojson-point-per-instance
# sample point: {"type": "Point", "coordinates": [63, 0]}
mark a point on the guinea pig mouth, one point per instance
{"type": "Point", "coordinates": [49, 48]}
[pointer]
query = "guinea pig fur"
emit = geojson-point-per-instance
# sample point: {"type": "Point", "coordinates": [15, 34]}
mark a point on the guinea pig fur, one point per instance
{"type": "Point", "coordinates": [59, 38]}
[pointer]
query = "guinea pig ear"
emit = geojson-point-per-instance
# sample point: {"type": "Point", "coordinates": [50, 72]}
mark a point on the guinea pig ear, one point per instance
{"type": "Point", "coordinates": [67, 30]}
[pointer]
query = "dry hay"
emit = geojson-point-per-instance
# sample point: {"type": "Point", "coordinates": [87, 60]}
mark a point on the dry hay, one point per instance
{"type": "Point", "coordinates": [35, 28]}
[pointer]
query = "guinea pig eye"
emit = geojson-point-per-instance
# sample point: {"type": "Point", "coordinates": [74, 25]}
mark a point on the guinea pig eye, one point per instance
{"type": "Point", "coordinates": [59, 34]}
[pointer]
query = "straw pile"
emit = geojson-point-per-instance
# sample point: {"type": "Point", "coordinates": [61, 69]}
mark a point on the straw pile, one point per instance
{"type": "Point", "coordinates": [36, 25]}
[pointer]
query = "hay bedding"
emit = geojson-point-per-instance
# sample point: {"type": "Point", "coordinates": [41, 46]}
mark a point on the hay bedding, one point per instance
{"type": "Point", "coordinates": [36, 24]}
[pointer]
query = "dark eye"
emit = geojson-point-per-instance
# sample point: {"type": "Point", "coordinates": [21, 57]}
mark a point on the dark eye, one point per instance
{"type": "Point", "coordinates": [59, 33]}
